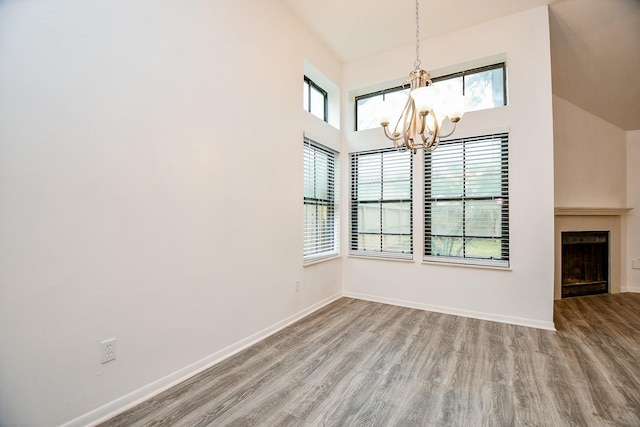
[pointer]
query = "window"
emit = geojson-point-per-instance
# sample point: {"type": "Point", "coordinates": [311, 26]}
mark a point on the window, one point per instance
{"type": "Point", "coordinates": [314, 99]}
{"type": "Point", "coordinates": [484, 88]}
{"type": "Point", "coordinates": [381, 204]}
{"type": "Point", "coordinates": [320, 231]}
{"type": "Point", "coordinates": [467, 201]}
{"type": "Point", "coordinates": [367, 106]}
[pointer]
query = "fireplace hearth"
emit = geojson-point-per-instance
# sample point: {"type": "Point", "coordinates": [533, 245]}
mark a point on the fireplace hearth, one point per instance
{"type": "Point", "coordinates": [585, 263]}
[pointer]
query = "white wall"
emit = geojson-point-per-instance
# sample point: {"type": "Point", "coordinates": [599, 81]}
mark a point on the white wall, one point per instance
{"type": "Point", "coordinates": [524, 293]}
{"type": "Point", "coordinates": [590, 168]}
{"type": "Point", "coordinates": [151, 187]}
{"type": "Point", "coordinates": [590, 159]}
{"type": "Point", "coordinates": [633, 217]}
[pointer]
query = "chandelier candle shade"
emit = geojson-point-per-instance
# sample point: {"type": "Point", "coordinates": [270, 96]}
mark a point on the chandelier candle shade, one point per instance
{"type": "Point", "coordinates": [419, 124]}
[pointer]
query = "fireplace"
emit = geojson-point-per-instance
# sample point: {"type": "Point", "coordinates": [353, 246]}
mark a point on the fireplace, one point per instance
{"type": "Point", "coordinates": [578, 219]}
{"type": "Point", "coordinates": [585, 263]}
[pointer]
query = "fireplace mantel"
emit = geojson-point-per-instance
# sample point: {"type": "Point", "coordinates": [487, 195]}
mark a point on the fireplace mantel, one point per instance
{"type": "Point", "coordinates": [591, 211]}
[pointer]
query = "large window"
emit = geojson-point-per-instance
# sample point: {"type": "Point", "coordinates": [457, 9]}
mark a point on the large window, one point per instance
{"type": "Point", "coordinates": [314, 99]}
{"type": "Point", "coordinates": [381, 204]}
{"type": "Point", "coordinates": [467, 201]}
{"type": "Point", "coordinates": [483, 87]}
{"type": "Point", "coordinates": [320, 230]}
{"type": "Point", "coordinates": [368, 106]}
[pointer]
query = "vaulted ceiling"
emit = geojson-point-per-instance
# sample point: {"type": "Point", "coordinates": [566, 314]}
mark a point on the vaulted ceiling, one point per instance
{"type": "Point", "coordinates": [595, 44]}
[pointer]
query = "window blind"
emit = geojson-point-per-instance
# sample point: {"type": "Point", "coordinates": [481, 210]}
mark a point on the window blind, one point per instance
{"type": "Point", "coordinates": [381, 204]}
{"type": "Point", "coordinates": [467, 201]}
{"type": "Point", "coordinates": [320, 225]}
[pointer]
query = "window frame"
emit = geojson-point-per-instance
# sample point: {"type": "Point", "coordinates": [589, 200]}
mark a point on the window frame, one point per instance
{"type": "Point", "coordinates": [477, 70]}
{"type": "Point", "coordinates": [502, 198]}
{"type": "Point", "coordinates": [313, 85]}
{"type": "Point", "coordinates": [355, 203]}
{"type": "Point", "coordinates": [463, 74]}
{"type": "Point", "coordinates": [382, 92]}
{"type": "Point", "coordinates": [331, 202]}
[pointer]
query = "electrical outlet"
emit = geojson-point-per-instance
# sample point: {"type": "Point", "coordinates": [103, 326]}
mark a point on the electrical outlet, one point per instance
{"type": "Point", "coordinates": [107, 350]}
{"type": "Point", "coordinates": [297, 285]}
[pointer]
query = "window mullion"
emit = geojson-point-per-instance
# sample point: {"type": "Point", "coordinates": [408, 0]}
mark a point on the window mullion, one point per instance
{"type": "Point", "coordinates": [381, 199]}
{"type": "Point", "coordinates": [464, 199]}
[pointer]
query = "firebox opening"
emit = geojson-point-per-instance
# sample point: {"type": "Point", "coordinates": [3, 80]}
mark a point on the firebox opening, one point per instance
{"type": "Point", "coordinates": [585, 263]}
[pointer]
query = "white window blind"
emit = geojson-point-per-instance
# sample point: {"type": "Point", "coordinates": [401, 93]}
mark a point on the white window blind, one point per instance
{"type": "Point", "coordinates": [320, 225]}
{"type": "Point", "coordinates": [381, 204]}
{"type": "Point", "coordinates": [467, 201]}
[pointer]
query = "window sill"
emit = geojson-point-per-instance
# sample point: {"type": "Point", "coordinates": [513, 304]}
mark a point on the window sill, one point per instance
{"type": "Point", "coordinates": [467, 264]}
{"type": "Point", "coordinates": [319, 260]}
{"type": "Point", "coordinates": [379, 258]}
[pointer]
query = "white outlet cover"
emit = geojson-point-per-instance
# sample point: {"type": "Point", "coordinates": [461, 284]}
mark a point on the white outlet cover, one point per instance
{"type": "Point", "coordinates": [107, 350]}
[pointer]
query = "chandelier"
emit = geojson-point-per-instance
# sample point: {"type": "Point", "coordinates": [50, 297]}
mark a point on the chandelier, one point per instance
{"type": "Point", "coordinates": [419, 124]}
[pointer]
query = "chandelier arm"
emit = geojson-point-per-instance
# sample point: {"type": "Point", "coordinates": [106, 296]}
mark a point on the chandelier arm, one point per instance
{"type": "Point", "coordinates": [407, 120]}
{"type": "Point", "coordinates": [408, 107]}
{"type": "Point", "coordinates": [450, 133]}
{"type": "Point", "coordinates": [432, 147]}
{"type": "Point", "coordinates": [435, 135]}
{"type": "Point", "coordinates": [385, 127]}
{"type": "Point", "coordinates": [410, 120]}
{"type": "Point", "coordinates": [400, 147]}
{"type": "Point", "coordinates": [423, 122]}
{"type": "Point", "coordinates": [395, 128]}
{"type": "Point", "coordinates": [408, 140]}
{"type": "Point", "coordinates": [428, 141]}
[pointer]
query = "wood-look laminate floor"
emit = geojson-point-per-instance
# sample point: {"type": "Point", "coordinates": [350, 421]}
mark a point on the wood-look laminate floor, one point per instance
{"type": "Point", "coordinates": [358, 363]}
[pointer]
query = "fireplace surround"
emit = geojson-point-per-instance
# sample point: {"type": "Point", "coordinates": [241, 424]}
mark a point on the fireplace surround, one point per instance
{"type": "Point", "coordinates": [592, 219]}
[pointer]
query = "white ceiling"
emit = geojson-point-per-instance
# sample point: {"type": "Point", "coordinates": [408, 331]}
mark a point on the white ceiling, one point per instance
{"type": "Point", "coordinates": [595, 44]}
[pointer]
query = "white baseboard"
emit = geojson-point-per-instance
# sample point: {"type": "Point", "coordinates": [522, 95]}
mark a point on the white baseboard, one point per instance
{"type": "Point", "coordinates": [132, 399]}
{"type": "Point", "coordinates": [532, 323]}
{"type": "Point", "coordinates": [635, 289]}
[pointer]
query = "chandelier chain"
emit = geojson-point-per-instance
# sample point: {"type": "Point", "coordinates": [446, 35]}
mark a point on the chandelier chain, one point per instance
{"type": "Point", "coordinates": [417, 63]}
{"type": "Point", "coordinates": [418, 126]}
